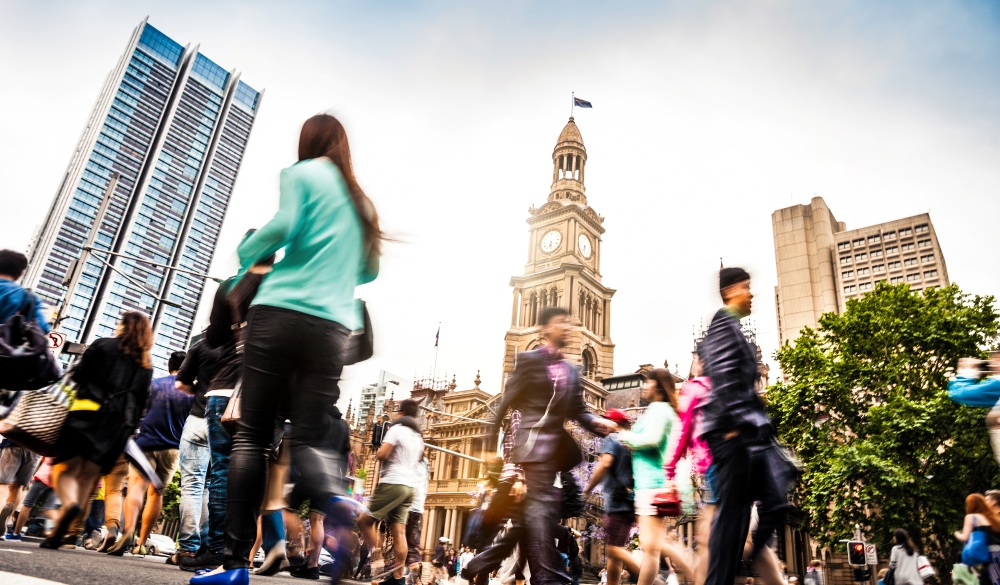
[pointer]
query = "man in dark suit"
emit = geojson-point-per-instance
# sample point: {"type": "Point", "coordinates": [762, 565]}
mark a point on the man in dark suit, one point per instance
{"type": "Point", "coordinates": [734, 424]}
{"type": "Point", "coordinates": [546, 389]}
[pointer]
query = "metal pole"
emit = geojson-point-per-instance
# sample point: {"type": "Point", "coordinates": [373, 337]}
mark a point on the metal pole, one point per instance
{"type": "Point", "coordinates": [455, 453]}
{"type": "Point", "coordinates": [157, 264]}
{"type": "Point", "coordinates": [76, 266]}
{"type": "Point", "coordinates": [476, 420]}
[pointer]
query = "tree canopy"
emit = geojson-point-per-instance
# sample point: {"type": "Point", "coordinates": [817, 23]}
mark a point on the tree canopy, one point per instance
{"type": "Point", "coordinates": [864, 404]}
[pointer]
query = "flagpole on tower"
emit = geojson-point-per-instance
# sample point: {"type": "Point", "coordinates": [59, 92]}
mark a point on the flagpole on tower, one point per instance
{"type": "Point", "coordinates": [572, 102]}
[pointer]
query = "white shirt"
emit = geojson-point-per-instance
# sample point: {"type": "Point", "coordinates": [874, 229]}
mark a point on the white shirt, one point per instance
{"type": "Point", "coordinates": [407, 452]}
{"type": "Point", "coordinates": [420, 490]}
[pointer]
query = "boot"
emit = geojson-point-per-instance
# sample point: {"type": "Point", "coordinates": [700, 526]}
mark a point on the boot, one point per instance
{"type": "Point", "coordinates": [109, 539]}
{"type": "Point", "coordinates": [125, 543]}
{"type": "Point", "coordinates": [55, 540]}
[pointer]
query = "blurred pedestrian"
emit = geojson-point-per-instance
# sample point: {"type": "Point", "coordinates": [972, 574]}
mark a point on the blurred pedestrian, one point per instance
{"type": "Point", "coordinates": [903, 560]}
{"type": "Point", "coordinates": [299, 327]}
{"type": "Point", "coordinates": [158, 437]}
{"type": "Point", "coordinates": [113, 378]}
{"type": "Point", "coordinates": [649, 441]}
{"type": "Point", "coordinates": [547, 390]}
{"type": "Point", "coordinates": [12, 296]}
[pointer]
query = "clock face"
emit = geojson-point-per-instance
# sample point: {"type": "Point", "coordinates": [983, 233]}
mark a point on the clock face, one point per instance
{"type": "Point", "coordinates": [551, 240]}
{"type": "Point", "coordinates": [584, 243]}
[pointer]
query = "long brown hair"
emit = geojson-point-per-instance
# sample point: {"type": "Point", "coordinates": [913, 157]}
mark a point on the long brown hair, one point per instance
{"type": "Point", "coordinates": [135, 337]}
{"type": "Point", "coordinates": [665, 384]}
{"type": "Point", "coordinates": [324, 135]}
{"type": "Point", "coordinates": [977, 504]}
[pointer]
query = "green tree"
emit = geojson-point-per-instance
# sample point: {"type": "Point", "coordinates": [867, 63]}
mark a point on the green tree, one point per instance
{"type": "Point", "coordinates": [864, 403]}
{"type": "Point", "coordinates": [172, 498]}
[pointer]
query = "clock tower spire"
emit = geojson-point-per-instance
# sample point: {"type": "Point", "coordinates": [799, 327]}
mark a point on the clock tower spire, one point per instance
{"type": "Point", "coordinates": [563, 269]}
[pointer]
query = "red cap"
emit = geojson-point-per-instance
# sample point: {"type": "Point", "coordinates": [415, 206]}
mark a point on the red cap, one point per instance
{"type": "Point", "coordinates": [615, 415]}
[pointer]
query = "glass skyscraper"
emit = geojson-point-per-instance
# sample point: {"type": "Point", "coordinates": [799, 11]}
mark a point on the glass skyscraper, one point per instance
{"type": "Point", "coordinates": [173, 125]}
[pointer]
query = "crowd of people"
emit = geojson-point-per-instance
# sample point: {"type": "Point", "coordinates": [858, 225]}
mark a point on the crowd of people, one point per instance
{"type": "Point", "coordinates": [248, 416]}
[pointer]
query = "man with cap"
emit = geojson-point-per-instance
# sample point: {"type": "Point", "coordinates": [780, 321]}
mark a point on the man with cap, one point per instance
{"type": "Point", "coordinates": [733, 423]}
{"type": "Point", "coordinates": [440, 559]}
{"type": "Point", "coordinates": [614, 469]}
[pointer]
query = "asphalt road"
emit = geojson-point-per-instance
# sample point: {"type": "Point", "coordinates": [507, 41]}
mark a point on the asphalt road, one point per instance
{"type": "Point", "coordinates": [80, 566]}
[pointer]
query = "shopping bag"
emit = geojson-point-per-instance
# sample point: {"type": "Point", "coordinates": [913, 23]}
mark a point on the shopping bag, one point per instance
{"type": "Point", "coordinates": [36, 417]}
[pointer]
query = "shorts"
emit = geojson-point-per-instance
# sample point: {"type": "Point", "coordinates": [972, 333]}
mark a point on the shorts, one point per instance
{"type": "Point", "coordinates": [18, 465]}
{"type": "Point", "coordinates": [644, 502]}
{"type": "Point", "coordinates": [617, 527]}
{"type": "Point", "coordinates": [40, 492]}
{"type": "Point", "coordinates": [391, 501]}
{"type": "Point", "coordinates": [164, 462]}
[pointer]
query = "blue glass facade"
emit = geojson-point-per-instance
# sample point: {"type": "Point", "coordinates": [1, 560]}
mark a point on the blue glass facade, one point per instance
{"type": "Point", "coordinates": [174, 125]}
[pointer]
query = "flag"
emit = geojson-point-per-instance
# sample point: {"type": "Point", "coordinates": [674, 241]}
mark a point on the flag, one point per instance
{"type": "Point", "coordinates": [437, 336]}
{"type": "Point", "coordinates": [582, 103]}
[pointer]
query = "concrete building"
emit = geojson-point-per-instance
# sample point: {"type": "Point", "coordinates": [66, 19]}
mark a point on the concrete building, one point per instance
{"type": "Point", "coordinates": [375, 394]}
{"type": "Point", "coordinates": [821, 264]}
{"type": "Point", "coordinates": [172, 125]}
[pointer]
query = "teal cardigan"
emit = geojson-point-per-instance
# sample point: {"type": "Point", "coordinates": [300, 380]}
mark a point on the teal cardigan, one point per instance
{"type": "Point", "coordinates": [649, 439]}
{"type": "Point", "coordinates": [323, 240]}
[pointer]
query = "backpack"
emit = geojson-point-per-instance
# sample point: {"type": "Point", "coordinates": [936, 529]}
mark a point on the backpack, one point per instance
{"type": "Point", "coordinates": [810, 578]}
{"type": "Point", "coordinates": [25, 360]}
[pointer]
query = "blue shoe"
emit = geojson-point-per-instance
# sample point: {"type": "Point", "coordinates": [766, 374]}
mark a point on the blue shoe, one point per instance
{"type": "Point", "coordinates": [13, 537]}
{"type": "Point", "coordinates": [230, 577]}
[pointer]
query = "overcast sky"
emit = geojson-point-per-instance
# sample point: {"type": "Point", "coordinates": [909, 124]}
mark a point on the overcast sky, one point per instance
{"type": "Point", "coordinates": [707, 117]}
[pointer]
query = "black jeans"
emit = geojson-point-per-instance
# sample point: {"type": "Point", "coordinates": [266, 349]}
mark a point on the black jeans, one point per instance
{"type": "Point", "coordinates": [542, 507]}
{"type": "Point", "coordinates": [731, 460]}
{"type": "Point", "coordinates": [282, 345]}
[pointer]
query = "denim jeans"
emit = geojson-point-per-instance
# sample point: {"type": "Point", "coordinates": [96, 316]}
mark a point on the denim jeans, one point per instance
{"type": "Point", "coordinates": [195, 456]}
{"type": "Point", "coordinates": [542, 507]}
{"type": "Point", "coordinates": [221, 446]}
{"type": "Point", "coordinates": [292, 360]}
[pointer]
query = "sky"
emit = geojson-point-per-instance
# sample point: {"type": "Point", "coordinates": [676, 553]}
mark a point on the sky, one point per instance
{"type": "Point", "coordinates": [707, 117]}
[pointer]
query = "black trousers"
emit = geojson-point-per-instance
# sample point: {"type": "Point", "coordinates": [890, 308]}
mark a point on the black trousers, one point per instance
{"type": "Point", "coordinates": [542, 508]}
{"type": "Point", "coordinates": [731, 460]}
{"type": "Point", "coordinates": [282, 345]}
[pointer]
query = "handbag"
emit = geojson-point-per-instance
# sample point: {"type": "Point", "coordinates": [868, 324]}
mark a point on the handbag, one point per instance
{"type": "Point", "coordinates": [667, 503]}
{"type": "Point", "coordinates": [36, 418]}
{"type": "Point", "coordinates": [361, 343]}
{"type": "Point", "coordinates": [925, 568]}
{"type": "Point", "coordinates": [976, 550]}
{"type": "Point", "coordinates": [890, 577]}
{"type": "Point", "coordinates": [231, 415]}
{"type": "Point", "coordinates": [25, 360]}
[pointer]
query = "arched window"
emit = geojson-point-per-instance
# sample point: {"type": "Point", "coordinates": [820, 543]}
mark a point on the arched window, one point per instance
{"type": "Point", "coordinates": [554, 297]}
{"type": "Point", "coordinates": [589, 364]}
{"type": "Point", "coordinates": [534, 309]}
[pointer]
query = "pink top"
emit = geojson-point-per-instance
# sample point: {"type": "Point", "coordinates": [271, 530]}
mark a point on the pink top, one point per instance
{"type": "Point", "coordinates": [688, 439]}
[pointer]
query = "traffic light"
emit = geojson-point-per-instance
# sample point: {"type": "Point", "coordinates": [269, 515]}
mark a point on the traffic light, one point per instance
{"type": "Point", "coordinates": [856, 553]}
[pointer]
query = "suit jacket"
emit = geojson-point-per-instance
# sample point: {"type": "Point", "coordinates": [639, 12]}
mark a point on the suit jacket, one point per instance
{"type": "Point", "coordinates": [732, 402]}
{"type": "Point", "coordinates": [541, 436]}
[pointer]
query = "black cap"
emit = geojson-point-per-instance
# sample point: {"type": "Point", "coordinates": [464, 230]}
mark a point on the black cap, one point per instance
{"type": "Point", "coordinates": [731, 275]}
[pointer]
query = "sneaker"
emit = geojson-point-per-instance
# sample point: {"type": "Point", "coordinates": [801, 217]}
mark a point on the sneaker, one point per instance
{"type": "Point", "coordinates": [205, 560]}
{"type": "Point", "coordinates": [175, 559]}
{"type": "Point", "coordinates": [305, 572]}
{"type": "Point", "coordinates": [10, 536]}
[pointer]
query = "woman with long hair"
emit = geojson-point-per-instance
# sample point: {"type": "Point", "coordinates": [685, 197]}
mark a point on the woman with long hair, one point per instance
{"type": "Point", "coordinates": [649, 441]}
{"type": "Point", "coordinates": [298, 329]}
{"type": "Point", "coordinates": [903, 560]}
{"type": "Point", "coordinates": [112, 378]}
{"type": "Point", "coordinates": [981, 517]}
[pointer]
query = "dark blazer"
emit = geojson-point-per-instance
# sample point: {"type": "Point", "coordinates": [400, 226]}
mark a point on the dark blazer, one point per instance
{"type": "Point", "coordinates": [728, 360]}
{"type": "Point", "coordinates": [542, 437]}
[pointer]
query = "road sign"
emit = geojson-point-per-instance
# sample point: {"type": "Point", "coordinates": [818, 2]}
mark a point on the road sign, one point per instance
{"type": "Point", "coordinates": [870, 555]}
{"type": "Point", "coordinates": [56, 339]}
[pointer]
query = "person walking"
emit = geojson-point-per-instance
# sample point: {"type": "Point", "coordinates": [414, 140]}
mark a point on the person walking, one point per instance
{"type": "Point", "coordinates": [113, 378]}
{"type": "Point", "coordinates": [980, 517]}
{"type": "Point", "coordinates": [17, 468]}
{"type": "Point", "coordinates": [547, 390]}
{"type": "Point", "coordinates": [733, 424]}
{"type": "Point", "coordinates": [194, 453]}
{"type": "Point", "coordinates": [401, 454]}
{"type": "Point", "coordinates": [12, 296]}
{"type": "Point", "coordinates": [40, 493]}
{"type": "Point", "coordinates": [298, 327]}
{"type": "Point", "coordinates": [614, 473]}
{"type": "Point", "coordinates": [159, 438]}
{"type": "Point", "coordinates": [903, 560]}
{"type": "Point", "coordinates": [689, 443]}
{"type": "Point", "coordinates": [649, 441]}
{"type": "Point", "coordinates": [415, 520]}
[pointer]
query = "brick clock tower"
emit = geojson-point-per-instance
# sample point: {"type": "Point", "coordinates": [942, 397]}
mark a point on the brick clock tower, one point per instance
{"type": "Point", "coordinates": [564, 269]}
